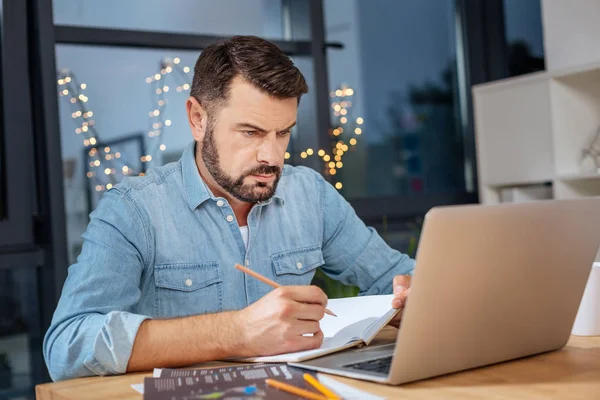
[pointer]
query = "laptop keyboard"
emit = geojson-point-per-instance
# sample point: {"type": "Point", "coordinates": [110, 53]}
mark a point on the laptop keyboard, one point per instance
{"type": "Point", "coordinates": [380, 365]}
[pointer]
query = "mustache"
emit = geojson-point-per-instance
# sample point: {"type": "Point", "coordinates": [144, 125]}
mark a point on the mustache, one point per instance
{"type": "Point", "coordinates": [264, 170]}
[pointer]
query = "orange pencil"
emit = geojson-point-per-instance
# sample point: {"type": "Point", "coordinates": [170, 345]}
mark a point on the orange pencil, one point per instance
{"type": "Point", "coordinates": [294, 390]}
{"type": "Point", "coordinates": [268, 281]}
{"type": "Point", "coordinates": [320, 387]}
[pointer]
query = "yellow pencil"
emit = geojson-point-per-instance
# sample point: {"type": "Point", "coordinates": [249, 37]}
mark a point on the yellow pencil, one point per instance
{"type": "Point", "coordinates": [320, 387]}
{"type": "Point", "coordinates": [294, 390]}
{"type": "Point", "coordinates": [269, 282]}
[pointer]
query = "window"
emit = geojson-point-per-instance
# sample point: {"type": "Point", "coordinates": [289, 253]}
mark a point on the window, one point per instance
{"type": "Point", "coordinates": [394, 99]}
{"type": "Point", "coordinates": [223, 17]}
{"type": "Point", "coordinates": [524, 36]}
{"type": "Point", "coordinates": [20, 341]}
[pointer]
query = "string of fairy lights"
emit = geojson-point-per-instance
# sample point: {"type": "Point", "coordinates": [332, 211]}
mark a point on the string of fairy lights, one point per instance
{"type": "Point", "coordinates": [107, 166]}
{"type": "Point", "coordinates": [332, 160]}
{"type": "Point", "coordinates": [169, 67]}
{"type": "Point", "coordinates": [103, 161]}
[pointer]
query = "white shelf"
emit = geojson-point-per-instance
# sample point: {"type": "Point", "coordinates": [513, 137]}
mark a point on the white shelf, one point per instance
{"type": "Point", "coordinates": [534, 128]}
{"type": "Point", "coordinates": [579, 177]}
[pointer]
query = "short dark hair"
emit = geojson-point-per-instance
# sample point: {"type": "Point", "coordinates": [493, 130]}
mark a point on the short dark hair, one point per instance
{"type": "Point", "coordinates": [256, 60]}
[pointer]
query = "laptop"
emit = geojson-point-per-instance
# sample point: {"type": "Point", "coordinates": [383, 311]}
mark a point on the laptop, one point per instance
{"type": "Point", "coordinates": [491, 284]}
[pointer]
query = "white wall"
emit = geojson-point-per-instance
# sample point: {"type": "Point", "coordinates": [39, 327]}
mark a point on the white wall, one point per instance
{"type": "Point", "coordinates": [571, 32]}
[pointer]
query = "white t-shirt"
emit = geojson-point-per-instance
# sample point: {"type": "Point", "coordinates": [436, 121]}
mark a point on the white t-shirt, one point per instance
{"type": "Point", "coordinates": [244, 232]}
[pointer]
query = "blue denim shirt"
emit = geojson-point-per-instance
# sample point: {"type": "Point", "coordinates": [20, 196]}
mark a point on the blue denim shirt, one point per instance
{"type": "Point", "coordinates": [162, 246]}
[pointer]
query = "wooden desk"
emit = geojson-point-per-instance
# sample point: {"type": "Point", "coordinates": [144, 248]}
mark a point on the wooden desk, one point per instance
{"type": "Point", "coordinates": [570, 373]}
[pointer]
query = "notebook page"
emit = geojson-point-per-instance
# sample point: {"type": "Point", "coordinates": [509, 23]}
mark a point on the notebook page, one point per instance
{"type": "Point", "coordinates": [354, 315]}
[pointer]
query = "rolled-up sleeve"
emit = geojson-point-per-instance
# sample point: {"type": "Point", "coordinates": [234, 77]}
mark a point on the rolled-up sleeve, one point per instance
{"type": "Point", "coordinates": [355, 254]}
{"type": "Point", "coordinates": [93, 329]}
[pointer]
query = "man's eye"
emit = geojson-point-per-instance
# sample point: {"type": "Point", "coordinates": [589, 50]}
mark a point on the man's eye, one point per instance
{"type": "Point", "coordinates": [284, 133]}
{"type": "Point", "coordinates": [250, 133]}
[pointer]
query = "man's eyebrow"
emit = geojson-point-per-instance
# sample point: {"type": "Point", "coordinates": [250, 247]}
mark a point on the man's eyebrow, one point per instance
{"type": "Point", "coordinates": [289, 127]}
{"type": "Point", "coordinates": [246, 125]}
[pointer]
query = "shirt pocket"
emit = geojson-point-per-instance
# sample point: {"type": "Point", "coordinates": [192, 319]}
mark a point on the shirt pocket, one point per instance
{"type": "Point", "coordinates": [188, 289]}
{"type": "Point", "coordinates": [297, 267]}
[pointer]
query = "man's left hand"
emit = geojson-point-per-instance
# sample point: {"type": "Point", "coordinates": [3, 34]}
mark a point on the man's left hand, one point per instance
{"type": "Point", "coordinates": [401, 285]}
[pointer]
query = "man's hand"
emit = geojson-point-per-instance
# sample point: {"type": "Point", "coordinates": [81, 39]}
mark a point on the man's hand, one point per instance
{"type": "Point", "coordinates": [401, 285]}
{"type": "Point", "coordinates": [276, 323]}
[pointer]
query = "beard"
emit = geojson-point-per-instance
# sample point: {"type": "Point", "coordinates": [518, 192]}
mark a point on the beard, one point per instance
{"type": "Point", "coordinates": [248, 193]}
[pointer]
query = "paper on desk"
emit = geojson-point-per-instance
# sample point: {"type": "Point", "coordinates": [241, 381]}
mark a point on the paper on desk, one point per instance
{"type": "Point", "coordinates": [139, 387]}
{"type": "Point", "coordinates": [344, 391]}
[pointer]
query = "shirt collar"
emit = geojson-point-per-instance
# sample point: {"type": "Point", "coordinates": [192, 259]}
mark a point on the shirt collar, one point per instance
{"type": "Point", "coordinates": [196, 190]}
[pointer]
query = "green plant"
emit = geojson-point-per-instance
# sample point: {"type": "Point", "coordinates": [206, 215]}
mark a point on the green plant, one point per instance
{"type": "Point", "coordinates": [334, 289]}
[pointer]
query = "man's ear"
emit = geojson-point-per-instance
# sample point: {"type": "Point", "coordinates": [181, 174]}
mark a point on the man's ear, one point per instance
{"type": "Point", "coordinates": [197, 118]}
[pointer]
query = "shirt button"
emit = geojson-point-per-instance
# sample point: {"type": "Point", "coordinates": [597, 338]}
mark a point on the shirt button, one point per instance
{"type": "Point", "coordinates": [299, 265]}
{"type": "Point", "coordinates": [220, 203]}
{"type": "Point", "coordinates": [188, 282]}
{"type": "Point", "coordinates": [229, 218]}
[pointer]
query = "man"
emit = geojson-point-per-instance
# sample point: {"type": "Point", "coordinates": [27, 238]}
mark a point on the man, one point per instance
{"type": "Point", "coordinates": [155, 283]}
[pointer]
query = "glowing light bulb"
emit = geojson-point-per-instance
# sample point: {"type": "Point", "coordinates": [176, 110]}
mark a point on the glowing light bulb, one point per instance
{"type": "Point", "coordinates": [343, 120]}
{"type": "Point", "coordinates": [309, 152]}
{"type": "Point", "coordinates": [163, 147]}
{"type": "Point", "coordinates": [321, 153]}
{"type": "Point", "coordinates": [353, 141]}
{"type": "Point", "coordinates": [303, 154]}
{"type": "Point", "coordinates": [287, 155]}
{"type": "Point", "coordinates": [338, 185]}
{"type": "Point", "coordinates": [358, 131]}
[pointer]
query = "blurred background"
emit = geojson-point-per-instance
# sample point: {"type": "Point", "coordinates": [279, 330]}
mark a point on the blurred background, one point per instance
{"type": "Point", "coordinates": [93, 91]}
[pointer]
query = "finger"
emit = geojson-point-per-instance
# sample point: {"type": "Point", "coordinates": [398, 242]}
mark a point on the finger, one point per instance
{"type": "Point", "coordinates": [305, 327]}
{"type": "Point", "coordinates": [401, 283]}
{"type": "Point", "coordinates": [397, 302]}
{"type": "Point", "coordinates": [305, 294]}
{"type": "Point", "coordinates": [310, 342]}
{"type": "Point", "coordinates": [309, 312]}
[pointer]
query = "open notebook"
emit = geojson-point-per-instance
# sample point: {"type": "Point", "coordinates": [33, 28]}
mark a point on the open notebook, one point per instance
{"type": "Point", "coordinates": [358, 321]}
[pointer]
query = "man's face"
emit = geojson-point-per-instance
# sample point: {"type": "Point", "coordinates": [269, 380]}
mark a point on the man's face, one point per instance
{"type": "Point", "coordinates": [243, 147]}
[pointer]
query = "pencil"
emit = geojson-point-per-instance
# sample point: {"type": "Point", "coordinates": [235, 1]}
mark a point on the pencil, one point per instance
{"type": "Point", "coordinates": [320, 387]}
{"type": "Point", "coordinates": [269, 282]}
{"type": "Point", "coordinates": [294, 390]}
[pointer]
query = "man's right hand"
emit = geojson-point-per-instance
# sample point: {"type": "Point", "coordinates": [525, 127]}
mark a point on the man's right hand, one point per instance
{"type": "Point", "coordinates": [277, 322]}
